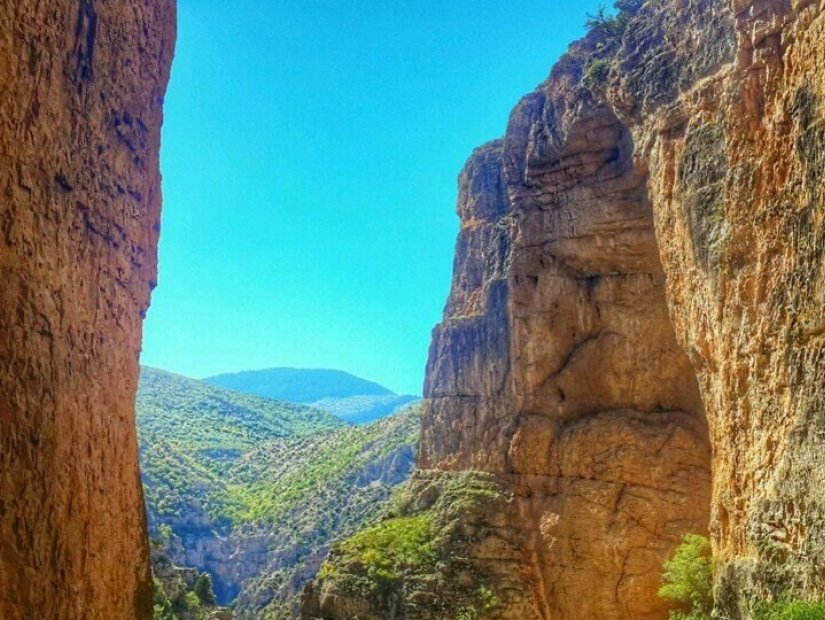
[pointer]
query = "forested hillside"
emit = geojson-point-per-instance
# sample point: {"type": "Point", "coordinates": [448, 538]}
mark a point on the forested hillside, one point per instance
{"type": "Point", "coordinates": [253, 490]}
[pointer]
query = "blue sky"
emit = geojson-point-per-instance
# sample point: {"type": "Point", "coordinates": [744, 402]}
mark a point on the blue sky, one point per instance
{"type": "Point", "coordinates": [310, 155]}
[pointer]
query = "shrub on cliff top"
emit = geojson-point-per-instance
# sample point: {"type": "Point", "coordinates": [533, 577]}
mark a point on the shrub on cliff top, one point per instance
{"type": "Point", "coordinates": [613, 26]}
{"type": "Point", "coordinates": [387, 549]}
{"type": "Point", "coordinates": [688, 579]}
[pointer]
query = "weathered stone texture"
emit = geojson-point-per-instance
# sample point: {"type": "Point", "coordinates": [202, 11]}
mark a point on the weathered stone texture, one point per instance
{"type": "Point", "coordinates": [638, 284]}
{"type": "Point", "coordinates": [736, 165]}
{"type": "Point", "coordinates": [80, 114]}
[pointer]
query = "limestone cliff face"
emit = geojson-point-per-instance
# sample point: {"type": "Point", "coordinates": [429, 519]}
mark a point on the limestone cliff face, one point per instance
{"type": "Point", "coordinates": [638, 302]}
{"type": "Point", "coordinates": [80, 114]}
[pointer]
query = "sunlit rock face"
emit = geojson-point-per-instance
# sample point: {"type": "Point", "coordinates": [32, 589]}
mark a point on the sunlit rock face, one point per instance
{"type": "Point", "coordinates": [638, 301]}
{"type": "Point", "coordinates": [557, 365]}
{"type": "Point", "coordinates": [80, 114]}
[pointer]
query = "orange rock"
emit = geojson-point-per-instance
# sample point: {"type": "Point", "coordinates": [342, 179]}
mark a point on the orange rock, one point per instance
{"type": "Point", "coordinates": [80, 114]}
{"type": "Point", "coordinates": [629, 251]}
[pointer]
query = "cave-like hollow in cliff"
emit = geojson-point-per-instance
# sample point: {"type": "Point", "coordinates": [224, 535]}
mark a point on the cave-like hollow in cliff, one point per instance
{"type": "Point", "coordinates": [557, 366]}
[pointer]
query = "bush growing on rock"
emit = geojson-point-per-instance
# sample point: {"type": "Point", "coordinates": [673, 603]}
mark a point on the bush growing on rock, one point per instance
{"type": "Point", "coordinates": [613, 26]}
{"type": "Point", "coordinates": [688, 579]}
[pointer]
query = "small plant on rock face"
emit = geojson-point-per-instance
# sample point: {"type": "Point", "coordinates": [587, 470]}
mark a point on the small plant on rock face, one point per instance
{"type": "Point", "coordinates": [596, 72]}
{"type": "Point", "coordinates": [688, 579]}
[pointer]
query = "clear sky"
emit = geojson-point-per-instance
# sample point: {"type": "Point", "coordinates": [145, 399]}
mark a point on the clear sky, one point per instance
{"type": "Point", "coordinates": [310, 155]}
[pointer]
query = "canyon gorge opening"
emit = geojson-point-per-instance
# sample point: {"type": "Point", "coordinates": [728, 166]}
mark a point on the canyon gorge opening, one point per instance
{"type": "Point", "coordinates": [633, 344]}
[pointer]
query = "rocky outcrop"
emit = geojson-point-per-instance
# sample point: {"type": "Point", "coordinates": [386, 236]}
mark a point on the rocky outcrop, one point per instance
{"type": "Point", "coordinates": [80, 115]}
{"type": "Point", "coordinates": [451, 550]}
{"type": "Point", "coordinates": [633, 340]}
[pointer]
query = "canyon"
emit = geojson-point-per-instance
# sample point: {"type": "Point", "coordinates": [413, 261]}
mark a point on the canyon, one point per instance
{"type": "Point", "coordinates": [252, 490]}
{"type": "Point", "coordinates": [632, 349]}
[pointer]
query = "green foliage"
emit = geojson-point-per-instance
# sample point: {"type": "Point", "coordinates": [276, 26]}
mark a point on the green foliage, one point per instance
{"type": "Point", "coordinates": [421, 557]}
{"type": "Point", "coordinates": [174, 601]}
{"type": "Point", "coordinates": [688, 579]}
{"type": "Point", "coordinates": [487, 599]}
{"type": "Point", "coordinates": [282, 465]}
{"type": "Point", "coordinates": [789, 609]}
{"type": "Point", "coordinates": [486, 602]}
{"type": "Point", "coordinates": [384, 550]}
{"type": "Point", "coordinates": [191, 414]}
{"type": "Point", "coordinates": [596, 72]}
{"type": "Point", "coordinates": [162, 605]}
{"type": "Point", "coordinates": [364, 409]}
{"type": "Point", "coordinates": [613, 25]}
{"type": "Point", "coordinates": [203, 589]}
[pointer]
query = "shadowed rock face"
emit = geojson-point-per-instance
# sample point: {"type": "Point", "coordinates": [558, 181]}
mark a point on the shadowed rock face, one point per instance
{"type": "Point", "coordinates": [629, 251]}
{"type": "Point", "coordinates": [736, 169]}
{"type": "Point", "coordinates": [80, 114]}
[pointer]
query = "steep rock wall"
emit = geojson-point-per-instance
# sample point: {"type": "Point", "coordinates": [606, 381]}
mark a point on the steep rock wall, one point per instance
{"type": "Point", "coordinates": [736, 170]}
{"type": "Point", "coordinates": [640, 227]}
{"type": "Point", "coordinates": [557, 366]}
{"type": "Point", "coordinates": [80, 115]}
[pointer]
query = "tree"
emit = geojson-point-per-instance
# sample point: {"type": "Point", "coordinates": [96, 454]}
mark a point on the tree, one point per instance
{"type": "Point", "coordinates": [688, 579]}
{"type": "Point", "coordinates": [203, 589]}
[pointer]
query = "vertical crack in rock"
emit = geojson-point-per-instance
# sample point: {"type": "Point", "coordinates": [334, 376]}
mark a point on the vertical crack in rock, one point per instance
{"type": "Point", "coordinates": [84, 44]}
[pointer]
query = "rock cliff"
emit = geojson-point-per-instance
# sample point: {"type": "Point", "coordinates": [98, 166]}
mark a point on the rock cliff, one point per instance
{"type": "Point", "coordinates": [80, 115]}
{"type": "Point", "coordinates": [633, 343]}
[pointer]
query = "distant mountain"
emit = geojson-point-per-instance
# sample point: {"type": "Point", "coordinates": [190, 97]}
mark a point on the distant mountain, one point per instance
{"type": "Point", "coordinates": [253, 490]}
{"type": "Point", "coordinates": [194, 413]}
{"type": "Point", "coordinates": [349, 397]}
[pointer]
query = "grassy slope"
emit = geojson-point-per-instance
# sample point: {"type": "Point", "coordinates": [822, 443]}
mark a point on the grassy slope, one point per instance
{"type": "Point", "coordinates": [426, 560]}
{"type": "Point", "coordinates": [190, 434]}
{"type": "Point", "coordinates": [341, 482]}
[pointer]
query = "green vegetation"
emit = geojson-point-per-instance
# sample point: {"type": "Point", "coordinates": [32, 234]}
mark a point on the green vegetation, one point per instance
{"type": "Point", "coordinates": [688, 579]}
{"type": "Point", "coordinates": [419, 557]}
{"type": "Point", "coordinates": [268, 482]}
{"type": "Point", "coordinates": [193, 415]}
{"type": "Point", "coordinates": [331, 487]}
{"type": "Point", "coordinates": [391, 547]}
{"type": "Point", "coordinates": [177, 599]}
{"type": "Point", "coordinates": [613, 25]}
{"type": "Point", "coordinates": [606, 29]}
{"type": "Point", "coordinates": [486, 603]}
{"type": "Point", "coordinates": [790, 609]}
{"type": "Point", "coordinates": [365, 408]}
{"type": "Point", "coordinates": [289, 478]}
{"type": "Point", "coordinates": [596, 72]}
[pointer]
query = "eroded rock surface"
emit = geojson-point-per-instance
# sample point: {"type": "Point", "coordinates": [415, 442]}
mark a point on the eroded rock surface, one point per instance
{"type": "Point", "coordinates": [638, 300]}
{"type": "Point", "coordinates": [80, 115]}
{"type": "Point", "coordinates": [736, 168]}
{"type": "Point", "coordinates": [557, 366]}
